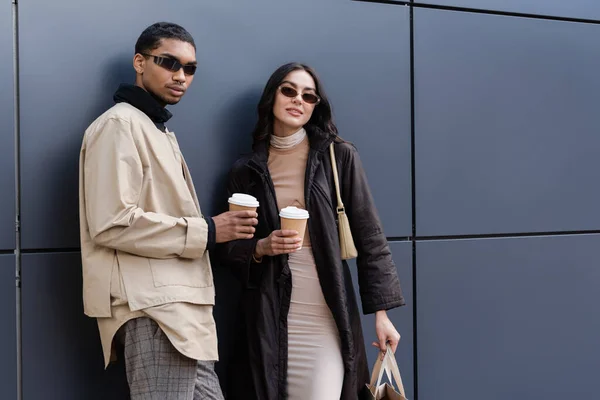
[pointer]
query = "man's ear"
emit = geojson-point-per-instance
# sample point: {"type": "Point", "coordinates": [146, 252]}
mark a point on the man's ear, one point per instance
{"type": "Point", "coordinates": [139, 63]}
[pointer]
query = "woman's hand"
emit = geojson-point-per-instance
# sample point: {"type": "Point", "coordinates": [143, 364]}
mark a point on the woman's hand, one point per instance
{"type": "Point", "coordinates": [385, 333]}
{"type": "Point", "coordinates": [278, 242]}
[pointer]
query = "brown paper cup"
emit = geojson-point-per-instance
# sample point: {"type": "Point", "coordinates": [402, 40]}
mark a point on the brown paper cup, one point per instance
{"type": "Point", "coordinates": [298, 225]}
{"type": "Point", "coordinates": [235, 207]}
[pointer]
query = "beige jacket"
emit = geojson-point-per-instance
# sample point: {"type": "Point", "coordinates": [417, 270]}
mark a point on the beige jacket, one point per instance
{"type": "Point", "coordinates": [138, 208]}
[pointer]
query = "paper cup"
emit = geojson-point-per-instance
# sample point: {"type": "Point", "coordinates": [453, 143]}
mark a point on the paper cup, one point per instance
{"type": "Point", "coordinates": [294, 219]}
{"type": "Point", "coordinates": [242, 202]}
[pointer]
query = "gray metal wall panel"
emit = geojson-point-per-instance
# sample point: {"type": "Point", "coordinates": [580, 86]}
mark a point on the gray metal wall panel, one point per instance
{"type": "Point", "coordinates": [8, 334]}
{"type": "Point", "coordinates": [508, 318]}
{"type": "Point", "coordinates": [7, 159]}
{"type": "Point", "coordinates": [587, 9]}
{"type": "Point", "coordinates": [401, 317]}
{"type": "Point", "coordinates": [505, 125]}
{"type": "Point", "coordinates": [62, 356]}
{"type": "Point", "coordinates": [237, 51]}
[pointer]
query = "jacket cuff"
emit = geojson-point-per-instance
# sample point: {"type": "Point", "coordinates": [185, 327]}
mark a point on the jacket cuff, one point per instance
{"type": "Point", "coordinates": [212, 234]}
{"type": "Point", "coordinates": [385, 304]}
{"type": "Point", "coordinates": [196, 238]}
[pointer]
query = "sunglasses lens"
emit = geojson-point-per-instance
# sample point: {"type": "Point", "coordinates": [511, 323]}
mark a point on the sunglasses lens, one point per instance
{"type": "Point", "coordinates": [189, 69]}
{"type": "Point", "coordinates": [288, 91]}
{"type": "Point", "coordinates": [167, 63]}
{"type": "Point", "coordinates": [310, 98]}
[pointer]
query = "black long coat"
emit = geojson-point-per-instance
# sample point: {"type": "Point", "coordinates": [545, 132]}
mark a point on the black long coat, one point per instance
{"type": "Point", "coordinates": [259, 370]}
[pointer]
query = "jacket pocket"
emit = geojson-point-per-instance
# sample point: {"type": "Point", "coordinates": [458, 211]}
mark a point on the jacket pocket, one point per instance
{"type": "Point", "coordinates": [195, 273]}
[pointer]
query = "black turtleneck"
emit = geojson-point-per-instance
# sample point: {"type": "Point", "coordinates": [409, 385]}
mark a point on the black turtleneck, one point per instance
{"type": "Point", "coordinates": [145, 102]}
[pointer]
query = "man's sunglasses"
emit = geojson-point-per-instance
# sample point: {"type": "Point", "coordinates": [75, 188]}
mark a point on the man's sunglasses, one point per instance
{"type": "Point", "coordinates": [289, 91]}
{"type": "Point", "coordinates": [172, 64]}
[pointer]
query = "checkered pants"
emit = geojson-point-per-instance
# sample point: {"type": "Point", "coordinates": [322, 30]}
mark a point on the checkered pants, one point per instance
{"type": "Point", "coordinates": [157, 371]}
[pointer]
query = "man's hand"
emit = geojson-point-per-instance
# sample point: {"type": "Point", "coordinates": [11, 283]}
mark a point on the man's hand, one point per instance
{"type": "Point", "coordinates": [278, 242]}
{"type": "Point", "coordinates": [234, 225]}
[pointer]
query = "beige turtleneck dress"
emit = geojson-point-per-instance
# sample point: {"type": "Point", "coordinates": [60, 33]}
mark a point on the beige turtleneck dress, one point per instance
{"type": "Point", "coordinates": [315, 365]}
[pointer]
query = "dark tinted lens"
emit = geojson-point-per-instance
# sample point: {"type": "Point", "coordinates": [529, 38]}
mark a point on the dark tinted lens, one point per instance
{"type": "Point", "coordinates": [168, 63]}
{"type": "Point", "coordinates": [288, 91]}
{"type": "Point", "coordinates": [310, 98]}
{"type": "Point", "coordinates": [189, 69]}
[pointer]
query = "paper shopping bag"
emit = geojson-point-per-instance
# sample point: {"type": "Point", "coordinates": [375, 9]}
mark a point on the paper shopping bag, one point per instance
{"type": "Point", "coordinates": [385, 391]}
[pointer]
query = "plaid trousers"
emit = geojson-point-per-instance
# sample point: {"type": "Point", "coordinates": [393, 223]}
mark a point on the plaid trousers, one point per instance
{"type": "Point", "coordinates": [157, 371]}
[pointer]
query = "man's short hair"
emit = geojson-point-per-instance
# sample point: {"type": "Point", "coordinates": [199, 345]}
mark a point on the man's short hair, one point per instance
{"type": "Point", "coordinates": [151, 37]}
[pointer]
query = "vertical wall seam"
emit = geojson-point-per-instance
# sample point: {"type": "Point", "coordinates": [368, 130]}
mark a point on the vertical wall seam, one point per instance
{"type": "Point", "coordinates": [414, 205]}
{"type": "Point", "coordinates": [17, 150]}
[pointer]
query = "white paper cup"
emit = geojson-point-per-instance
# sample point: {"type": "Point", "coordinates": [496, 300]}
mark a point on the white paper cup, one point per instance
{"type": "Point", "coordinates": [294, 219]}
{"type": "Point", "coordinates": [242, 202]}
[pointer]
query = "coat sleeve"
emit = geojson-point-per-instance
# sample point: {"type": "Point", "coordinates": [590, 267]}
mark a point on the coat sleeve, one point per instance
{"type": "Point", "coordinates": [238, 254]}
{"type": "Point", "coordinates": [377, 276]}
{"type": "Point", "coordinates": [113, 176]}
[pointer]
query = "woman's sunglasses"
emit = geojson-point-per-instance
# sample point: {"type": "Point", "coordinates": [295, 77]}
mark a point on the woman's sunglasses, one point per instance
{"type": "Point", "coordinates": [290, 92]}
{"type": "Point", "coordinates": [172, 64]}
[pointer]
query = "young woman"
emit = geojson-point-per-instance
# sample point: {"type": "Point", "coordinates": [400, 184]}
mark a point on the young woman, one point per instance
{"type": "Point", "coordinates": [301, 336]}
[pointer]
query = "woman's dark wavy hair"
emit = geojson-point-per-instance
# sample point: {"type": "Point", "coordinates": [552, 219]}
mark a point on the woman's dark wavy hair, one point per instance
{"type": "Point", "coordinates": [321, 117]}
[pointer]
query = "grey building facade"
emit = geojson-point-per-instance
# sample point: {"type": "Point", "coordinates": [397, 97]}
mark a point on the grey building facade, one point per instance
{"type": "Point", "coordinates": [477, 124]}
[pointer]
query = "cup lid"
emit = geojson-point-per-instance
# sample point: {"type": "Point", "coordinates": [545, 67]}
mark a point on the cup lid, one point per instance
{"type": "Point", "coordinates": [244, 200]}
{"type": "Point", "coordinates": [293, 213]}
